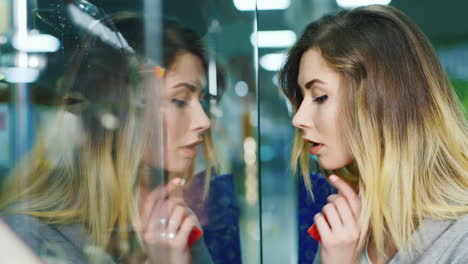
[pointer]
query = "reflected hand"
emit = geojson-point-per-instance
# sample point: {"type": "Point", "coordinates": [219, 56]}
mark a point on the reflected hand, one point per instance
{"type": "Point", "coordinates": [167, 225]}
{"type": "Point", "coordinates": [339, 227]}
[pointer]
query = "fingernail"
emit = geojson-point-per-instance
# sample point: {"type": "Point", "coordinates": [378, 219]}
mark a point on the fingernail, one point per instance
{"type": "Point", "coordinates": [314, 233]}
{"type": "Point", "coordinates": [176, 181]}
{"type": "Point", "coordinates": [195, 234]}
{"type": "Point", "coordinates": [333, 178]}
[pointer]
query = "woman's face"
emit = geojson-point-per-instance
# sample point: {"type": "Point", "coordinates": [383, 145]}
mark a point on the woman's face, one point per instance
{"type": "Point", "coordinates": [318, 115]}
{"type": "Point", "coordinates": [184, 118]}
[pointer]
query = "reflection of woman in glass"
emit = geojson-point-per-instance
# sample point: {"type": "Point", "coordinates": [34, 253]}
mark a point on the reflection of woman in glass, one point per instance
{"type": "Point", "coordinates": [89, 179]}
{"type": "Point", "coordinates": [166, 219]}
{"type": "Point", "coordinates": [186, 126]}
{"type": "Point", "coordinates": [372, 102]}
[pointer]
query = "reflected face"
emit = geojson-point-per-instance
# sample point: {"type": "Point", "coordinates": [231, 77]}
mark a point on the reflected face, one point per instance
{"type": "Point", "coordinates": [319, 113]}
{"type": "Point", "coordinates": [185, 121]}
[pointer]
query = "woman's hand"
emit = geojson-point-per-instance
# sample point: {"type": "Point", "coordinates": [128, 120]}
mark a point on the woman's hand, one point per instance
{"type": "Point", "coordinates": [339, 227]}
{"type": "Point", "coordinates": [167, 223]}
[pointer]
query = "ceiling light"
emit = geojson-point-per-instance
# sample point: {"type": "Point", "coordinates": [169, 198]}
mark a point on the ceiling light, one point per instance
{"type": "Point", "coordinates": [272, 61]}
{"type": "Point", "coordinates": [20, 75]}
{"type": "Point", "coordinates": [249, 5]}
{"type": "Point", "coordinates": [241, 88]}
{"type": "Point", "coordinates": [36, 43]}
{"type": "Point", "coordinates": [356, 3]}
{"type": "Point", "coordinates": [273, 39]}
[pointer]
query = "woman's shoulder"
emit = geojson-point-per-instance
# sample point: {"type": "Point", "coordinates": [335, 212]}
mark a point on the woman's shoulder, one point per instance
{"type": "Point", "coordinates": [61, 242]}
{"type": "Point", "coordinates": [461, 224]}
{"type": "Point", "coordinates": [450, 229]}
{"type": "Point", "coordinates": [451, 246]}
{"type": "Point", "coordinates": [441, 241]}
{"type": "Point", "coordinates": [27, 227]}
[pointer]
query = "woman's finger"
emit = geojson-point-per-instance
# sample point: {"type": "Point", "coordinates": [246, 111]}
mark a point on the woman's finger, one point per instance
{"type": "Point", "coordinates": [154, 229]}
{"type": "Point", "coordinates": [158, 194]}
{"type": "Point", "coordinates": [334, 220]}
{"type": "Point", "coordinates": [185, 229]}
{"type": "Point", "coordinates": [332, 197]}
{"type": "Point", "coordinates": [348, 192]}
{"type": "Point", "coordinates": [175, 221]}
{"type": "Point", "coordinates": [322, 226]}
{"type": "Point", "coordinates": [346, 214]}
{"type": "Point", "coordinates": [151, 200]}
{"type": "Point", "coordinates": [174, 188]}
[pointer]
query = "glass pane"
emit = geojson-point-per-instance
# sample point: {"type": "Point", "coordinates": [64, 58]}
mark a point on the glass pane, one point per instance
{"type": "Point", "coordinates": [279, 210]}
{"type": "Point", "coordinates": [287, 209]}
{"type": "Point", "coordinates": [230, 214]}
{"type": "Point", "coordinates": [130, 130]}
{"type": "Point", "coordinates": [75, 121]}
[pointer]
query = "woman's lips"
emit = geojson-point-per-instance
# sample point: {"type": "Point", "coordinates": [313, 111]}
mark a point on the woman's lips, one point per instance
{"type": "Point", "coordinates": [190, 151]}
{"type": "Point", "coordinates": [315, 148]}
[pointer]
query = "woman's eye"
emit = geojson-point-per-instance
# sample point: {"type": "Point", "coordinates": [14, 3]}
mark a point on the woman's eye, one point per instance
{"type": "Point", "coordinates": [178, 103]}
{"type": "Point", "coordinates": [321, 99]}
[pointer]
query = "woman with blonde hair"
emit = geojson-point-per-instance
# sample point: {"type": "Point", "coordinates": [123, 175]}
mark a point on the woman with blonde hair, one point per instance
{"type": "Point", "coordinates": [372, 102]}
{"type": "Point", "coordinates": [99, 187]}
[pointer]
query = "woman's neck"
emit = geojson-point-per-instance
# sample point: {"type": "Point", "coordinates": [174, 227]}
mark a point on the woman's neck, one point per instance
{"type": "Point", "coordinates": [173, 175]}
{"type": "Point", "coordinates": [390, 250]}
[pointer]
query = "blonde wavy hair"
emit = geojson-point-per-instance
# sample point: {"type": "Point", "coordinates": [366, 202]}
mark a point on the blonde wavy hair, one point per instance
{"type": "Point", "coordinates": [401, 118]}
{"type": "Point", "coordinates": [85, 165]}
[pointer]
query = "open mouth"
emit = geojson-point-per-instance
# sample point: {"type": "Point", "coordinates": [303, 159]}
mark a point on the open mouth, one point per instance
{"type": "Point", "coordinates": [315, 147]}
{"type": "Point", "coordinates": [313, 143]}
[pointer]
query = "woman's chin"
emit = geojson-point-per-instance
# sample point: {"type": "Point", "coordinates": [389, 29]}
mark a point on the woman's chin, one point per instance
{"type": "Point", "coordinates": [181, 167]}
{"type": "Point", "coordinates": [332, 165]}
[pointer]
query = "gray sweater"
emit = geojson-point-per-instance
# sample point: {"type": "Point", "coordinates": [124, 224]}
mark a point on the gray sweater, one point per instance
{"type": "Point", "coordinates": [70, 243]}
{"type": "Point", "coordinates": [440, 242]}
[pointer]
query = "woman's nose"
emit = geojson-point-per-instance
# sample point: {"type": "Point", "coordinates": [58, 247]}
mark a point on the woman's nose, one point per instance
{"type": "Point", "coordinates": [302, 118]}
{"type": "Point", "coordinates": [201, 121]}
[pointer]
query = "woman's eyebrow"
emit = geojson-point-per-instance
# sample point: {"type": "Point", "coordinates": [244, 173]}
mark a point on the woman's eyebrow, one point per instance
{"type": "Point", "coordinates": [191, 87]}
{"type": "Point", "coordinates": [312, 82]}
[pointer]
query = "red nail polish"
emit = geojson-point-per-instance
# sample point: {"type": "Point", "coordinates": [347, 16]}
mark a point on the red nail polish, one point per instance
{"type": "Point", "coordinates": [196, 234]}
{"type": "Point", "coordinates": [314, 233]}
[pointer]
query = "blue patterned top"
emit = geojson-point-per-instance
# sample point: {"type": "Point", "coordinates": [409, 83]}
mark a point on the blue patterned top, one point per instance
{"type": "Point", "coordinates": [307, 208]}
{"type": "Point", "coordinates": [219, 216]}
